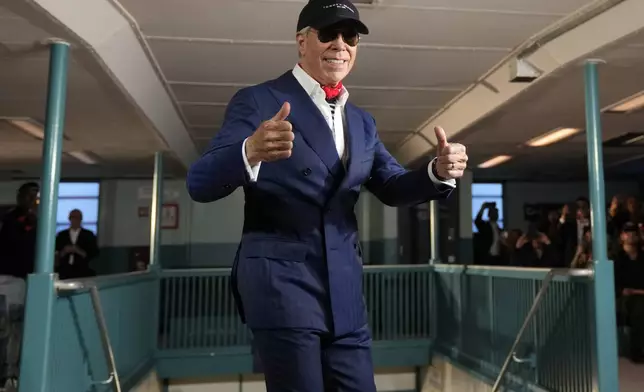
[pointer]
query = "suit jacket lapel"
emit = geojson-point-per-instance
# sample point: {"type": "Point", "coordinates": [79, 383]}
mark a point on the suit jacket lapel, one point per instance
{"type": "Point", "coordinates": [307, 119]}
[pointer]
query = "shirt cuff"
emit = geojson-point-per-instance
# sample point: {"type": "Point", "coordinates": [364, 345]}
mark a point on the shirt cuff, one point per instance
{"type": "Point", "coordinates": [253, 172]}
{"type": "Point", "coordinates": [451, 183]}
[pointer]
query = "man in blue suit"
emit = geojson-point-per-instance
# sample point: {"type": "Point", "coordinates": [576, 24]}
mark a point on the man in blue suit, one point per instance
{"type": "Point", "coordinates": [302, 152]}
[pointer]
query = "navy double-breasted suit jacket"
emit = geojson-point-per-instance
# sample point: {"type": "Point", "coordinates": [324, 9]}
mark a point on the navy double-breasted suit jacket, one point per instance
{"type": "Point", "coordinates": [299, 263]}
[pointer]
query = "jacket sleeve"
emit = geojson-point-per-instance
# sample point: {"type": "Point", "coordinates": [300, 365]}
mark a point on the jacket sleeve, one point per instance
{"type": "Point", "coordinates": [221, 169]}
{"type": "Point", "coordinates": [395, 186]}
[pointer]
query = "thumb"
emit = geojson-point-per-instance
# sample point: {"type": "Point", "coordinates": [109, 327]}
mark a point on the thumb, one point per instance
{"type": "Point", "coordinates": [441, 138]}
{"type": "Point", "coordinates": [283, 113]}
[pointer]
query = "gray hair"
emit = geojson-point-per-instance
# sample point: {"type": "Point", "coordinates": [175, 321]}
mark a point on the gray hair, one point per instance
{"type": "Point", "coordinates": [304, 31]}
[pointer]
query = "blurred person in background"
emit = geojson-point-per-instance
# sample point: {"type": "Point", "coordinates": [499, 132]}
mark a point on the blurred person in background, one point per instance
{"type": "Point", "coordinates": [18, 233]}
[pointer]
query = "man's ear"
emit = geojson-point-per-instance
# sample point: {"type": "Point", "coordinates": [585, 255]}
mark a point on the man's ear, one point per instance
{"type": "Point", "coordinates": [301, 44]}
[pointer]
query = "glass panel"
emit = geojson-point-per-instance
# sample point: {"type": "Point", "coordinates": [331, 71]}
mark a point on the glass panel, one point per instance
{"type": "Point", "coordinates": [487, 190]}
{"type": "Point", "coordinates": [61, 226]}
{"type": "Point", "coordinates": [93, 227]}
{"type": "Point", "coordinates": [89, 208]}
{"type": "Point", "coordinates": [477, 202]}
{"type": "Point", "coordinates": [79, 189]}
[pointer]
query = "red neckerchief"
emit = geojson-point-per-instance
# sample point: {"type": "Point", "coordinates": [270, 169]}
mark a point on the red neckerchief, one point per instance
{"type": "Point", "coordinates": [331, 92]}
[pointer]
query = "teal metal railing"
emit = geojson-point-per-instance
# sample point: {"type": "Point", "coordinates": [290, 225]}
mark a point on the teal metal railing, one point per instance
{"type": "Point", "coordinates": [471, 314]}
{"type": "Point", "coordinates": [78, 361]}
{"type": "Point", "coordinates": [480, 310]}
{"type": "Point", "coordinates": [197, 308]}
{"type": "Point", "coordinates": [198, 311]}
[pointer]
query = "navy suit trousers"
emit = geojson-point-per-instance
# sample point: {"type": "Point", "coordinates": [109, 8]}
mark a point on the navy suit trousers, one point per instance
{"type": "Point", "coordinates": [304, 360]}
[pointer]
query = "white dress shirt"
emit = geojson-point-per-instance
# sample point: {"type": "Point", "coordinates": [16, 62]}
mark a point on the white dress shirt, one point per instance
{"type": "Point", "coordinates": [335, 120]}
{"type": "Point", "coordinates": [73, 237]}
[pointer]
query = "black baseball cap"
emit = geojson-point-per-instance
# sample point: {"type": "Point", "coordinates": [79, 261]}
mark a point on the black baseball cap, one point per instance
{"type": "Point", "coordinates": [323, 13]}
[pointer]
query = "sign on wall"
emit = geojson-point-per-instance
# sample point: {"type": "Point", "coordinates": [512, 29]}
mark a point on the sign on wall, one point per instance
{"type": "Point", "coordinates": [169, 215]}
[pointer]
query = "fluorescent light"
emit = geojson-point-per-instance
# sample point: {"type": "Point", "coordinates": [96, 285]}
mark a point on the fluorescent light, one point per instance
{"type": "Point", "coordinates": [630, 104]}
{"type": "Point", "coordinates": [494, 161]}
{"type": "Point", "coordinates": [553, 136]}
{"type": "Point", "coordinates": [29, 126]}
{"type": "Point", "coordinates": [83, 157]}
{"type": "Point", "coordinates": [634, 139]}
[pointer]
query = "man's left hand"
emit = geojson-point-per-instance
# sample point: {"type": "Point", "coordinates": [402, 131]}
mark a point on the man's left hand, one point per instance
{"type": "Point", "coordinates": [451, 158]}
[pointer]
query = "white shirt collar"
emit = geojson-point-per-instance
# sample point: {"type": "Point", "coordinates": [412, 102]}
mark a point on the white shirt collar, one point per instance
{"type": "Point", "coordinates": [312, 87]}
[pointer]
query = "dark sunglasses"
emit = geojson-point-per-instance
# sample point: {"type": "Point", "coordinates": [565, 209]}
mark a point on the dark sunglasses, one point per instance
{"type": "Point", "coordinates": [349, 36]}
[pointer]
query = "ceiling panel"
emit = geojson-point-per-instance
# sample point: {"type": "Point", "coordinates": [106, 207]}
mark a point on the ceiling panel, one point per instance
{"type": "Point", "coordinates": [397, 78]}
{"type": "Point", "coordinates": [395, 119]}
{"type": "Point", "coordinates": [559, 102]}
{"type": "Point", "coordinates": [199, 61]}
{"type": "Point", "coordinates": [401, 97]}
{"type": "Point", "coordinates": [428, 27]}
{"type": "Point", "coordinates": [360, 95]}
{"type": "Point", "coordinates": [10, 134]}
{"type": "Point", "coordinates": [14, 29]}
{"type": "Point", "coordinates": [391, 137]}
{"type": "Point", "coordinates": [204, 131]}
{"type": "Point", "coordinates": [421, 68]}
{"type": "Point", "coordinates": [199, 18]}
{"type": "Point", "coordinates": [204, 114]}
{"type": "Point", "coordinates": [196, 18]}
{"type": "Point", "coordinates": [542, 6]}
{"type": "Point", "coordinates": [203, 93]}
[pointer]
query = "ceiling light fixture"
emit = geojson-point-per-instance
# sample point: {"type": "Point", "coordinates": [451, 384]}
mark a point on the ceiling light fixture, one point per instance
{"type": "Point", "coordinates": [83, 157]}
{"type": "Point", "coordinates": [28, 125]}
{"type": "Point", "coordinates": [627, 105]}
{"type": "Point", "coordinates": [497, 160]}
{"type": "Point", "coordinates": [554, 136]}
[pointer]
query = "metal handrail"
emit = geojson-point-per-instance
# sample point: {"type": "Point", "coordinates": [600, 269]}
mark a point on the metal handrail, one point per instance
{"type": "Point", "coordinates": [66, 286]}
{"type": "Point", "coordinates": [533, 310]}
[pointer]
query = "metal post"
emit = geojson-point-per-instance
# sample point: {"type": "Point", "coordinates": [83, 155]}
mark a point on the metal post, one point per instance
{"type": "Point", "coordinates": [433, 232]}
{"type": "Point", "coordinates": [604, 286]}
{"type": "Point", "coordinates": [155, 213]}
{"type": "Point", "coordinates": [36, 343]}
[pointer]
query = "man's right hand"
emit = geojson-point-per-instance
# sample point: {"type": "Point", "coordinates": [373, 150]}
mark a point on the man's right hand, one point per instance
{"type": "Point", "coordinates": [273, 140]}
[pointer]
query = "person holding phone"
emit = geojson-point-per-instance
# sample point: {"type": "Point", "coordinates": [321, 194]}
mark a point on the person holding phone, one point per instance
{"type": "Point", "coordinates": [534, 249]}
{"type": "Point", "coordinates": [489, 236]}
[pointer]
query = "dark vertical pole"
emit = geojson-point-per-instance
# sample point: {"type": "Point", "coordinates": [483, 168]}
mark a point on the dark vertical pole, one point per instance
{"type": "Point", "coordinates": [36, 343]}
{"type": "Point", "coordinates": [434, 236]}
{"type": "Point", "coordinates": [604, 286]}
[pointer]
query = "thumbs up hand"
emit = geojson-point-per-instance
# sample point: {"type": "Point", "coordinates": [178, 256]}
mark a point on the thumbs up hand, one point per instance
{"type": "Point", "coordinates": [273, 140]}
{"type": "Point", "coordinates": [451, 158]}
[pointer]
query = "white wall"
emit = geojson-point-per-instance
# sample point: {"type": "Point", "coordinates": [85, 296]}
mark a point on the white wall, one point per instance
{"type": "Point", "coordinates": [516, 194]}
{"type": "Point", "coordinates": [120, 225]}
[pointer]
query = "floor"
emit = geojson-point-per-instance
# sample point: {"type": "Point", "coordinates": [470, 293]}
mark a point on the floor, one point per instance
{"type": "Point", "coordinates": [631, 376]}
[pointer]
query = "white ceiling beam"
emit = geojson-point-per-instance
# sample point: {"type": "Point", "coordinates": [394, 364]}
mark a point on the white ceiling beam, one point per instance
{"type": "Point", "coordinates": [109, 32]}
{"type": "Point", "coordinates": [581, 41]}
